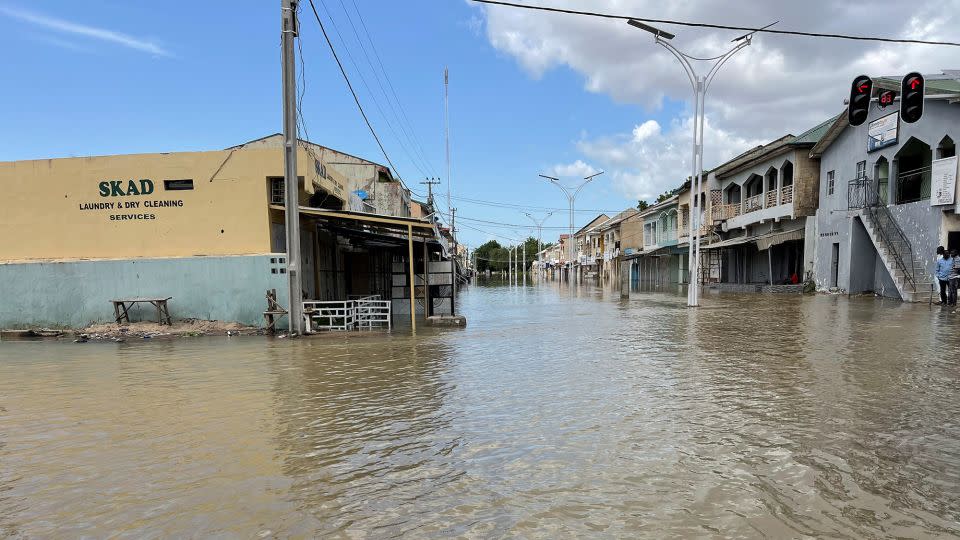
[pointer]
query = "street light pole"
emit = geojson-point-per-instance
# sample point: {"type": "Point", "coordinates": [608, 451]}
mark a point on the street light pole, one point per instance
{"type": "Point", "coordinates": [571, 199]}
{"type": "Point", "coordinates": [700, 84]}
{"type": "Point", "coordinates": [539, 225]}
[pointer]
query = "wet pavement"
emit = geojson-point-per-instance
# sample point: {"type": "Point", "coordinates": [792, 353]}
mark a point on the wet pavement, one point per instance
{"type": "Point", "coordinates": [558, 412]}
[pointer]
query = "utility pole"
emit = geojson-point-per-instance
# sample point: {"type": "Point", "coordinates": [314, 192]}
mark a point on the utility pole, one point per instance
{"type": "Point", "coordinates": [571, 198]}
{"type": "Point", "coordinates": [288, 33]}
{"type": "Point", "coordinates": [453, 232]}
{"type": "Point", "coordinates": [699, 84]}
{"type": "Point", "coordinates": [430, 183]}
{"type": "Point", "coordinates": [523, 248]}
{"type": "Point", "coordinates": [510, 266]}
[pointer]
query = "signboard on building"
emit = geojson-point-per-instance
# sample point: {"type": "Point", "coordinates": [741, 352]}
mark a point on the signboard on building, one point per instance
{"type": "Point", "coordinates": [943, 177]}
{"type": "Point", "coordinates": [882, 132]}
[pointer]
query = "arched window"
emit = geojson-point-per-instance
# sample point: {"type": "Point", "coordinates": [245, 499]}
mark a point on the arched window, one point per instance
{"type": "Point", "coordinates": [946, 148]}
{"type": "Point", "coordinates": [913, 171]}
{"type": "Point", "coordinates": [882, 174]}
{"type": "Point", "coordinates": [786, 172]}
{"type": "Point", "coordinates": [732, 194]}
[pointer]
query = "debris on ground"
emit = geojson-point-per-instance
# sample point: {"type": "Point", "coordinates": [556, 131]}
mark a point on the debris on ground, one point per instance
{"type": "Point", "coordinates": [180, 328]}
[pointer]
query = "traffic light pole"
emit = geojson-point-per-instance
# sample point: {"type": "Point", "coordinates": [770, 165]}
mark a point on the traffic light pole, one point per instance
{"type": "Point", "coordinates": [700, 85]}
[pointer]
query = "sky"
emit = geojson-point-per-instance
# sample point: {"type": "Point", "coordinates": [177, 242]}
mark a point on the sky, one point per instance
{"type": "Point", "coordinates": [530, 93]}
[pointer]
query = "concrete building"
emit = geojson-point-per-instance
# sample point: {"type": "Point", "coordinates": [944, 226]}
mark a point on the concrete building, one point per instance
{"type": "Point", "coordinates": [660, 261]}
{"type": "Point", "coordinates": [887, 195]}
{"type": "Point", "coordinates": [761, 203]}
{"type": "Point", "coordinates": [611, 239]}
{"type": "Point", "coordinates": [588, 243]}
{"type": "Point", "coordinates": [205, 228]}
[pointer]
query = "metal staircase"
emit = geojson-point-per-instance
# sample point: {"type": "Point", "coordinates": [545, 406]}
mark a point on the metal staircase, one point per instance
{"type": "Point", "coordinates": [891, 242]}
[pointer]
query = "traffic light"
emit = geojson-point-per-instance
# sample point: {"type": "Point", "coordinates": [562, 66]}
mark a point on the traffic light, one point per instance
{"type": "Point", "coordinates": [886, 98]}
{"type": "Point", "coordinates": [911, 97]}
{"type": "Point", "coordinates": [859, 107]}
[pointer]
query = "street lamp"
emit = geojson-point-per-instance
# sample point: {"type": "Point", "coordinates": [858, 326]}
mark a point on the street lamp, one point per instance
{"type": "Point", "coordinates": [571, 198]}
{"type": "Point", "coordinates": [700, 85]}
{"type": "Point", "coordinates": [539, 225]}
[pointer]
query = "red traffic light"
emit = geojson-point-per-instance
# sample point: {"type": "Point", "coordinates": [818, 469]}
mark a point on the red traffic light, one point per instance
{"type": "Point", "coordinates": [911, 97]}
{"type": "Point", "coordinates": [859, 103]}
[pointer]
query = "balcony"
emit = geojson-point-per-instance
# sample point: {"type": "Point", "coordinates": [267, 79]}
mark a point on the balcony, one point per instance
{"type": "Point", "coordinates": [752, 204]}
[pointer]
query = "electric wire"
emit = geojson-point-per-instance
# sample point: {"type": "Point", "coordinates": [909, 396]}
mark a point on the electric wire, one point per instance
{"type": "Point", "coordinates": [393, 91]}
{"type": "Point", "coordinates": [418, 162]}
{"type": "Point", "coordinates": [356, 99]}
{"type": "Point", "coordinates": [373, 97]}
{"type": "Point", "coordinates": [717, 26]}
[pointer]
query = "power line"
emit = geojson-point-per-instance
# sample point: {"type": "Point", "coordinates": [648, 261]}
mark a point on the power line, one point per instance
{"type": "Point", "coordinates": [718, 26]}
{"type": "Point", "coordinates": [512, 206]}
{"type": "Point", "coordinates": [413, 157]}
{"type": "Point", "coordinates": [366, 85]}
{"type": "Point", "coordinates": [333, 51]}
{"type": "Point", "coordinates": [403, 112]}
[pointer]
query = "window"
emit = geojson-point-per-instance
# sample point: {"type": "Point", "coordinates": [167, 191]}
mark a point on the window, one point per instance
{"type": "Point", "coordinates": [178, 185]}
{"type": "Point", "coordinates": [276, 191]}
{"type": "Point", "coordinates": [861, 169]}
{"type": "Point", "coordinates": [830, 182]}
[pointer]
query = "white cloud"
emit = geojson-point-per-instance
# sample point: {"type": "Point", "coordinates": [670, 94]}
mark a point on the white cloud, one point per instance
{"type": "Point", "coordinates": [646, 130]}
{"type": "Point", "coordinates": [577, 169]}
{"type": "Point", "coordinates": [649, 161]}
{"type": "Point", "coordinates": [777, 85]}
{"type": "Point", "coordinates": [780, 84]}
{"type": "Point", "coordinates": [75, 29]}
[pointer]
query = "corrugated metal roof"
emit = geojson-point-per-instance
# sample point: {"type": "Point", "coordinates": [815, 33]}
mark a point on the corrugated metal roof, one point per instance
{"type": "Point", "coordinates": [813, 135]}
{"type": "Point", "coordinates": [944, 83]}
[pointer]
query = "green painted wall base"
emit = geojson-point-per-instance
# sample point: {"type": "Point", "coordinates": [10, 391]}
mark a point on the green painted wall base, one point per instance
{"type": "Point", "coordinates": [77, 293]}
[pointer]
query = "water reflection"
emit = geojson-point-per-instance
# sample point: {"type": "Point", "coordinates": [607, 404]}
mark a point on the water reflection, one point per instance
{"type": "Point", "coordinates": [559, 411]}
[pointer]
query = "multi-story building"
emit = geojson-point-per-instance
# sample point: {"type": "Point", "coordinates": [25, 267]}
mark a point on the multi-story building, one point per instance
{"type": "Point", "coordinates": [887, 195]}
{"type": "Point", "coordinates": [761, 202]}
{"type": "Point", "coordinates": [588, 243]}
{"type": "Point", "coordinates": [660, 261]}
{"type": "Point", "coordinates": [610, 238]}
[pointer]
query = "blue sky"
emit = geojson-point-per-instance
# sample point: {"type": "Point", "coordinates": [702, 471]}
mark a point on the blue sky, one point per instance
{"type": "Point", "coordinates": [109, 77]}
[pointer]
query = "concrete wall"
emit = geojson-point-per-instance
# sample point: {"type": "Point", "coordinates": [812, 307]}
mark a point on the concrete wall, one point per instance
{"type": "Point", "coordinates": [925, 226]}
{"type": "Point", "coordinates": [96, 207]}
{"type": "Point", "coordinates": [77, 293]}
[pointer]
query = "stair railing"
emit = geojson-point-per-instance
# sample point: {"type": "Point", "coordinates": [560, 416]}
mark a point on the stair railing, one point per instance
{"type": "Point", "coordinates": [862, 194]}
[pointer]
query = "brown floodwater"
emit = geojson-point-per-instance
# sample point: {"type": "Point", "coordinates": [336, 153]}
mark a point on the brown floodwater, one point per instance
{"type": "Point", "coordinates": [558, 412]}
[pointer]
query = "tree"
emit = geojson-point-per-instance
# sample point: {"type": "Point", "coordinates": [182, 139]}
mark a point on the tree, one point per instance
{"type": "Point", "coordinates": [488, 256]}
{"type": "Point", "coordinates": [642, 205]}
{"type": "Point", "coordinates": [664, 196]}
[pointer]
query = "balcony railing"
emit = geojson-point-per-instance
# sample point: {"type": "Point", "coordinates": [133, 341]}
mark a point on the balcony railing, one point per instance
{"type": "Point", "coordinates": [773, 197]}
{"type": "Point", "coordinates": [787, 195]}
{"type": "Point", "coordinates": [723, 212]}
{"type": "Point", "coordinates": [754, 203]}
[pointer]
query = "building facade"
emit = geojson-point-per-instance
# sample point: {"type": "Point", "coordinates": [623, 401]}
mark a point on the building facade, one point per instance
{"type": "Point", "coordinates": [205, 228]}
{"type": "Point", "coordinates": [887, 196]}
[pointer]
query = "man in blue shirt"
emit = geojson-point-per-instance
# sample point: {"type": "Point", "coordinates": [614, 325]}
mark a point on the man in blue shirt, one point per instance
{"type": "Point", "coordinates": [944, 269]}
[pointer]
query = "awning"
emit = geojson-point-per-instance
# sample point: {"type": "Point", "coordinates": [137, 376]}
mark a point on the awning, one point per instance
{"type": "Point", "coordinates": [769, 240]}
{"type": "Point", "coordinates": [763, 241]}
{"type": "Point", "coordinates": [730, 242]}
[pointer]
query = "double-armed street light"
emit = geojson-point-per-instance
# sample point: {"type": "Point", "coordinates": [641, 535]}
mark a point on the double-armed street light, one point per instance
{"type": "Point", "coordinates": [539, 224]}
{"type": "Point", "coordinates": [571, 193]}
{"type": "Point", "coordinates": [700, 84]}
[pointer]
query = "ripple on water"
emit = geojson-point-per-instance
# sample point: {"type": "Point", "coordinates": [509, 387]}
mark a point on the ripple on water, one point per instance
{"type": "Point", "coordinates": [556, 412]}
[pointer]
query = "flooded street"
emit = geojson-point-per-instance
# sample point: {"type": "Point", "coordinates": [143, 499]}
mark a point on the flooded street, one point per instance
{"type": "Point", "coordinates": [557, 412]}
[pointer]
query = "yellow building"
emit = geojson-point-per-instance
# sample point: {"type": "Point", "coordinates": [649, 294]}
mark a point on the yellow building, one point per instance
{"type": "Point", "coordinates": [203, 227]}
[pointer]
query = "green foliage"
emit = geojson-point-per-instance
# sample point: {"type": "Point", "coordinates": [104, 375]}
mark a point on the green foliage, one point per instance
{"type": "Point", "coordinates": [664, 196]}
{"type": "Point", "coordinates": [494, 257]}
{"type": "Point", "coordinates": [642, 205]}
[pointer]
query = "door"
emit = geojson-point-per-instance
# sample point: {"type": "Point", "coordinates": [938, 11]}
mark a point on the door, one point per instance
{"type": "Point", "coordinates": [835, 265]}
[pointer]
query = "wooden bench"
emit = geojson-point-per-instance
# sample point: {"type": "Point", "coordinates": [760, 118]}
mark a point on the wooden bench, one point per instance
{"type": "Point", "coordinates": [121, 308]}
